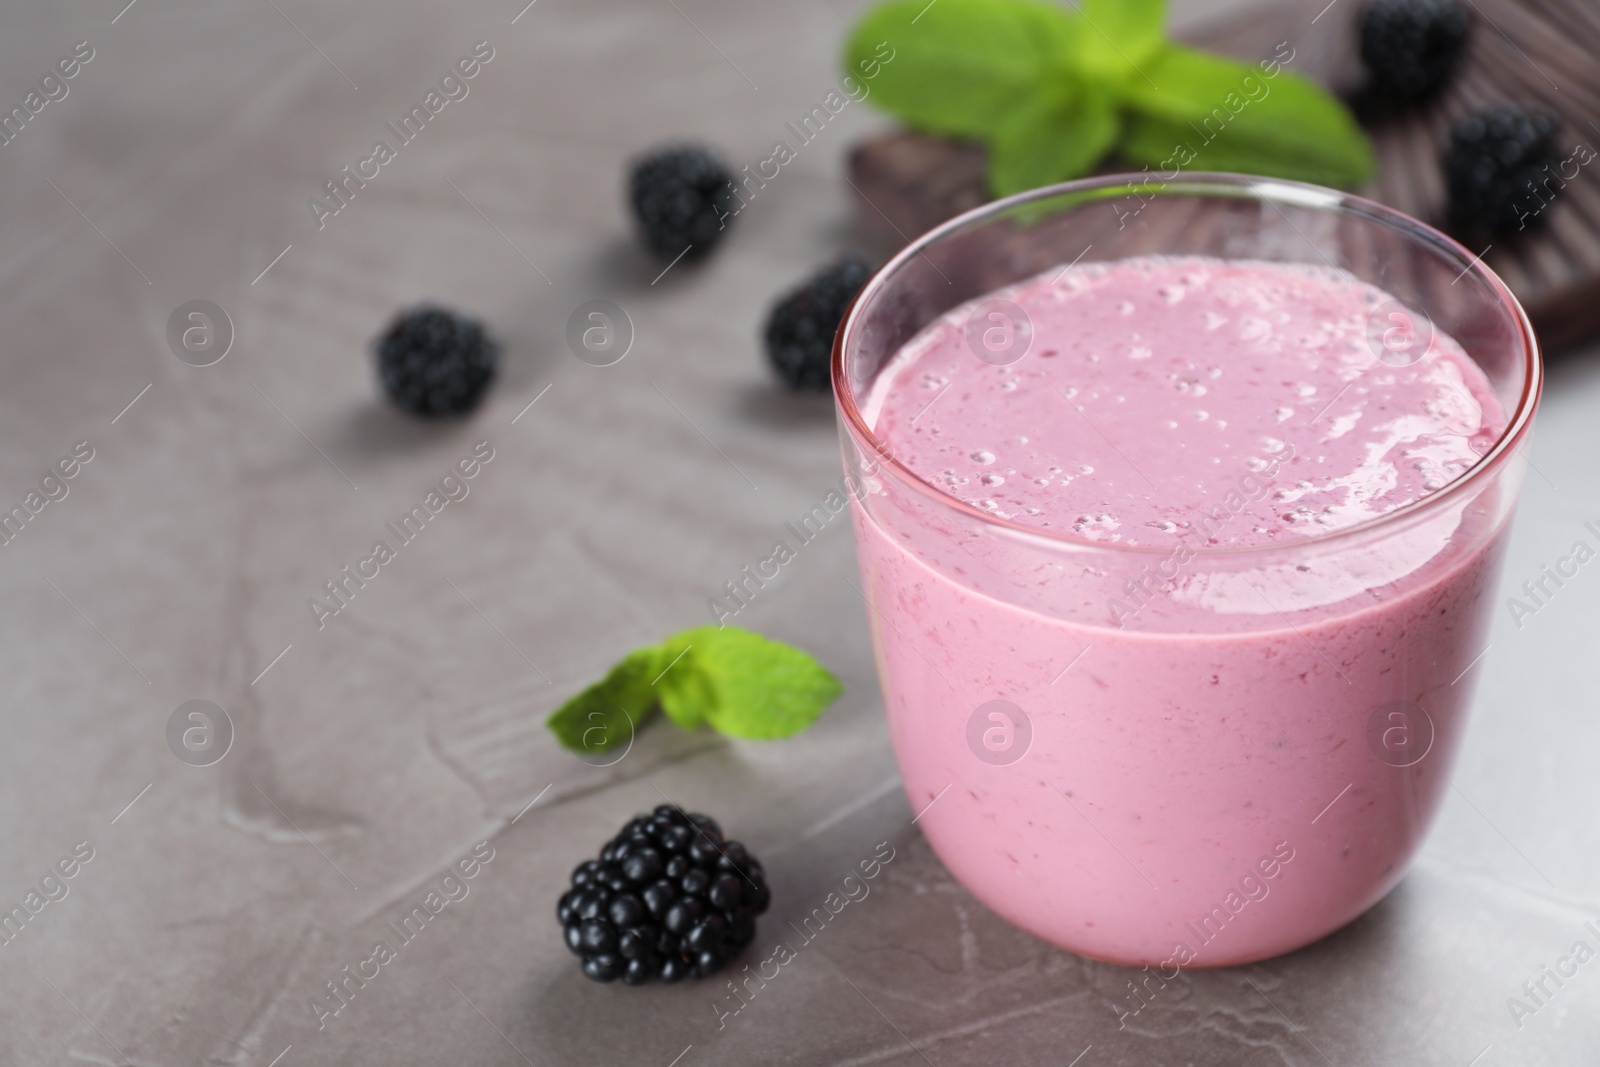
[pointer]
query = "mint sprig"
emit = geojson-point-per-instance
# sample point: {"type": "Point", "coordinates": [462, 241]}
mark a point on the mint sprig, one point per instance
{"type": "Point", "coordinates": [735, 681]}
{"type": "Point", "coordinates": [1053, 92]}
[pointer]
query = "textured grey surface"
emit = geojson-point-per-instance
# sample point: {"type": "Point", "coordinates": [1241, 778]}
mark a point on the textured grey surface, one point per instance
{"type": "Point", "coordinates": [380, 749]}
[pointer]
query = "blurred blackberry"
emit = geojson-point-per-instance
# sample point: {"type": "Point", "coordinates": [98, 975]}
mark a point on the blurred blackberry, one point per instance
{"type": "Point", "coordinates": [668, 898]}
{"type": "Point", "coordinates": [682, 198]}
{"type": "Point", "coordinates": [801, 326]}
{"type": "Point", "coordinates": [1495, 168]}
{"type": "Point", "coordinates": [1411, 47]}
{"type": "Point", "coordinates": [432, 361]}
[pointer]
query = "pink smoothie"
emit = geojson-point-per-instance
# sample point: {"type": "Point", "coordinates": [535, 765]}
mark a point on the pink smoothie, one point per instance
{"type": "Point", "coordinates": [1224, 729]}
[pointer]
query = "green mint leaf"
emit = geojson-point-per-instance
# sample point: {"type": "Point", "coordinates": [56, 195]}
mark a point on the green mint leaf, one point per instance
{"type": "Point", "coordinates": [1045, 141]}
{"type": "Point", "coordinates": [738, 682]}
{"type": "Point", "coordinates": [956, 66]}
{"type": "Point", "coordinates": [684, 690]}
{"type": "Point", "coordinates": [757, 689]}
{"type": "Point", "coordinates": [1203, 112]}
{"type": "Point", "coordinates": [608, 712]}
{"type": "Point", "coordinates": [1119, 36]}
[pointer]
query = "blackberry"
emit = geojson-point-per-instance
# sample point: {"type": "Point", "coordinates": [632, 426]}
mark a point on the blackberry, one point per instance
{"type": "Point", "coordinates": [667, 898]}
{"type": "Point", "coordinates": [432, 361]}
{"type": "Point", "coordinates": [801, 326]}
{"type": "Point", "coordinates": [1495, 168]}
{"type": "Point", "coordinates": [1411, 47]}
{"type": "Point", "coordinates": [682, 199]}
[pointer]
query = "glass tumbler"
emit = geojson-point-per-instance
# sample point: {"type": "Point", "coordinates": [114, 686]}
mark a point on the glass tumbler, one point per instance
{"type": "Point", "coordinates": [1252, 758]}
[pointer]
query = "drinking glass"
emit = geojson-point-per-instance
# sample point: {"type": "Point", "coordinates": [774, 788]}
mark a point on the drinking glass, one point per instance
{"type": "Point", "coordinates": [1247, 754]}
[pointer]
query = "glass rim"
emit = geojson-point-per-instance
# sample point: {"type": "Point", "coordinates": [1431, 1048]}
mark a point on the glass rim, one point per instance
{"type": "Point", "coordinates": [1277, 191]}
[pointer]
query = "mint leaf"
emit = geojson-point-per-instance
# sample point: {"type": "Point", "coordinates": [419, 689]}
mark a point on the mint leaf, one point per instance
{"type": "Point", "coordinates": [738, 682]}
{"type": "Point", "coordinates": [954, 67]}
{"type": "Point", "coordinates": [1224, 115]}
{"type": "Point", "coordinates": [684, 691]}
{"type": "Point", "coordinates": [1120, 35]}
{"type": "Point", "coordinates": [758, 689]}
{"type": "Point", "coordinates": [1047, 141]}
{"type": "Point", "coordinates": [608, 712]}
{"type": "Point", "coordinates": [1051, 91]}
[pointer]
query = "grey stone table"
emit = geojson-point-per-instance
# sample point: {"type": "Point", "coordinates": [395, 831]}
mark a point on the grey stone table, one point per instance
{"type": "Point", "coordinates": [378, 757]}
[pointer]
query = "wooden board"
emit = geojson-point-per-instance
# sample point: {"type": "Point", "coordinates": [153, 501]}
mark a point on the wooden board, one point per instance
{"type": "Point", "coordinates": [1538, 54]}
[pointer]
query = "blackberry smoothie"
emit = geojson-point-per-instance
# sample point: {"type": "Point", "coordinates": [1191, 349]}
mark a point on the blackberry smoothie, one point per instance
{"type": "Point", "coordinates": [1164, 687]}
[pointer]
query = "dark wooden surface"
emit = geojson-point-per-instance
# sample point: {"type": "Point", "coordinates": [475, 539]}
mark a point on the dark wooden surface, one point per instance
{"type": "Point", "coordinates": [1539, 54]}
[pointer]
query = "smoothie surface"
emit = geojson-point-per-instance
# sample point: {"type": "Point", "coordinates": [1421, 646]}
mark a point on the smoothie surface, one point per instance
{"type": "Point", "coordinates": [1155, 389]}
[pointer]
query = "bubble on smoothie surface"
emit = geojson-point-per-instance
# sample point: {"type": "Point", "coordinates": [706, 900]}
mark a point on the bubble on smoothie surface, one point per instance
{"type": "Point", "coordinates": [1163, 388]}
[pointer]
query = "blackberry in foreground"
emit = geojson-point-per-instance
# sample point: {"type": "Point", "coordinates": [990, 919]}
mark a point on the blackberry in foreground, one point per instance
{"type": "Point", "coordinates": [668, 898]}
{"type": "Point", "coordinates": [1411, 47]}
{"type": "Point", "coordinates": [432, 361]}
{"type": "Point", "coordinates": [682, 198]}
{"type": "Point", "coordinates": [1496, 166]}
{"type": "Point", "coordinates": [801, 326]}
